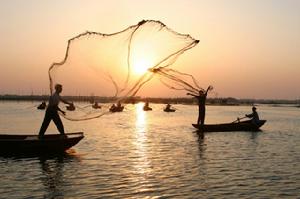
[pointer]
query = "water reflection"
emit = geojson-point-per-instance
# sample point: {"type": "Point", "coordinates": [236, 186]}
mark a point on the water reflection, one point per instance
{"type": "Point", "coordinates": [52, 179]}
{"type": "Point", "coordinates": [141, 142]}
{"type": "Point", "coordinates": [200, 135]}
{"type": "Point", "coordinates": [254, 135]}
{"type": "Point", "coordinates": [53, 174]}
{"type": "Point", "coordinates": [141, 120]}
{"type": "Point", "coordinates": [142, 160]}
{"type": "Point", "coordinates": [159, 155]}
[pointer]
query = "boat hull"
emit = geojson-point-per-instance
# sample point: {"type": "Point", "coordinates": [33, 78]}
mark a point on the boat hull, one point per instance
{"type": "Point", "coordinates": [237, 126]}
{"type": "Point", "coordinates": [169, 110]}
{"type": "Point", "coordinates": [116, 109]}
{"type": "Point", "coordinates": [147, 109]}
{"type": "Point", "coordinates": [31, 144]}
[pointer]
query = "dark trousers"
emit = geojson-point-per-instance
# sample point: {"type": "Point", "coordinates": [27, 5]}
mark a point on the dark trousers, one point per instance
{"type": "Point", "coordinates": [201, 116]}
{"type": "Point", "coordinates": [51, 114]}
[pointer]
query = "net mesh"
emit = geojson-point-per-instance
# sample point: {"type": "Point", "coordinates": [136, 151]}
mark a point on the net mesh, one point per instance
{"type": "Point", "coordinates": [117, 65]}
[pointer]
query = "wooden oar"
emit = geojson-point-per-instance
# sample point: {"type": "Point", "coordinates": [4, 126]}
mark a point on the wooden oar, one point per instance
{"type": "Point", "coordinates": [238, 119]}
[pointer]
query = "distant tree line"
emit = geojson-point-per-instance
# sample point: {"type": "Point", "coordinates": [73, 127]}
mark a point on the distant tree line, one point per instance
{"type": "Point", "coordinates": [177, 100]}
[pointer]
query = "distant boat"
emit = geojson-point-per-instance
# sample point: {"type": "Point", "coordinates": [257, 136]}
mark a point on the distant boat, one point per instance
{"type": "Point", "coordinates": [147, 108]}
{"type": "Point", "coordinates": [71, 107]}
{"type": "Point", "coordinates": [169, 110]}
{"type": "Point", "coordinates": [96, 106]}
{"type": "Point", "coordinates": [42, 106]}
{"type": "Point", "coordinates": [31, 144]}
{"type": "Point", "coordinates": [234, 126]}
{"type": "Point", "coordinates": [116, 109]}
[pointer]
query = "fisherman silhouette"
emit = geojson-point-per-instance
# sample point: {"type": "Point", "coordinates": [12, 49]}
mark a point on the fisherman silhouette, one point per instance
{"type": "Point", "coordinates": [201, 104]}
{"type": "Point", "coordinates": [52, 112]}
{"type": "Point", "coordinates": [254, 116]}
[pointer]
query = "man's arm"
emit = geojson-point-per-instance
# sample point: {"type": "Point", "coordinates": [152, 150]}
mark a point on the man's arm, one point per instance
{"type": "Point", "coordinates": [64, 101]}
{"type": "Point", "coordinates": [209, 88]}
{"type": "Point", "coordinates": [249, 115]}
{"type": "Point", "coordinates": [63, 112]}
{"type": "Point", "coordinates": [191, 94]}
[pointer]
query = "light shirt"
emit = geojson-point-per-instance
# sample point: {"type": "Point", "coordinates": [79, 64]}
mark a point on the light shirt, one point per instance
{"type": "Point", "coordinates": [54, 100]}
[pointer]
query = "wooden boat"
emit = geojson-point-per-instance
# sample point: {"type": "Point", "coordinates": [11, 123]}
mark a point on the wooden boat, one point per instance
{"type": "Point", "coordinates": [116, 109]}
{"type": "Point", "coordinates": [247, 125]}
{"type": "Point", "coordinates": [169, 110]}
{"type": "Point", "coordinates": [31, 144]}
{"type": "Point", "coordinates": [42, 106]}
{"type": "Point", "coordinates": [146, 108]}
{"type": "Point", "coordinates": [96, 106]}
{"type": "Point", "coordinates": [71, 107]}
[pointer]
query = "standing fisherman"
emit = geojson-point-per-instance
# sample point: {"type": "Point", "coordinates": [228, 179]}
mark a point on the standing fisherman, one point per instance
{"type": "Point", "coordinates": [201, 104]}
{"type": "Point", "coordinates": [52, 112]}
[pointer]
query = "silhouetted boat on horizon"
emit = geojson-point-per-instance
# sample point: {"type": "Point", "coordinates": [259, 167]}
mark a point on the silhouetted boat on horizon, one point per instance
{"type": "Point", "coordinates": [31, 144]}
{"type": "Point", "coordinates": [116, 109]}
{"type": "Point", "coordinates": [96, 106]}
{"type": "Point", "coordinates": [146, 108]}
{"type": "Point", "coordinates": [169, 110]}
{"type": "Point", "coordinates": [71, 107]}
{"type": "Point", "coordinates": [42, 106]}
{"type": "Point", "coordinates": [247, 125]}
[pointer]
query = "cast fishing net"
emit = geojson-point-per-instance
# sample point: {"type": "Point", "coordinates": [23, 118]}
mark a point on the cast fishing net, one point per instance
{"type": "Point", "coordinates": [114, 67]}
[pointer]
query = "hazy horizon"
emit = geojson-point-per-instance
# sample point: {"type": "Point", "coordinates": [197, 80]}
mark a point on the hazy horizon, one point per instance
{"type": "Point", "coordinates": [247, 49]}
{"type": "Point", "coordinates": [149, 97]}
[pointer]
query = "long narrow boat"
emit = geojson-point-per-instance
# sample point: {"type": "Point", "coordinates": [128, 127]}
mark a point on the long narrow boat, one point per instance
{"type": "Point", "coordinates": [147, 108]}
{"type": "Point", "coordinates": [247, 125]}
{"type": "Point", "coordinates": [169, 110]}
{"type": "Point", "coordinates": [31, 144]}
{"type": "Point", "coordinates": [116, 109]}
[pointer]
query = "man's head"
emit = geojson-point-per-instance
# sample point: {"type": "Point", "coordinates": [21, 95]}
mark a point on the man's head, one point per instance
{"type": "Point", "coordinates": [201, 92]}
{"type": "Point", "coordinates": [253, 108]}
{"type": "Point", "coordinates": [58, 88]}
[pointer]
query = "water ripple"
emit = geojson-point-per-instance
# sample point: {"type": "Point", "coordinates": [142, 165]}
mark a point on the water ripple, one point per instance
{"type": "Point", "coordinates": [159, 155]}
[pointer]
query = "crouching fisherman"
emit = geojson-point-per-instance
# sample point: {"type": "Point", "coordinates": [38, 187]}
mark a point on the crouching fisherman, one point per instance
{"type": "Point", "coordinates": [52, 112]}
{"type": "Point", "coordinates": [254, 116]}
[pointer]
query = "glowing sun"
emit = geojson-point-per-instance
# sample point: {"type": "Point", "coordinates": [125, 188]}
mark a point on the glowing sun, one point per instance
{"type": "Point", "coordinates": [140, 66]}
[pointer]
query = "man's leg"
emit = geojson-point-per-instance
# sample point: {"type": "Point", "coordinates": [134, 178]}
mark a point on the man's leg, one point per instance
{"type": "Point", "coordinates": [45, 124]}
{"type": "Point", "coordinates": [202, 117]}
{"type": "Point", "coordinates": [199, 115]}
{"type": "Point", "coordinates": [58, 123]}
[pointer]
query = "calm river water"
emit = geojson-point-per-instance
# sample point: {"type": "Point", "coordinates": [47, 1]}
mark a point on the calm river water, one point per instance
{"type": "Point", "coordinates": [137, 154]}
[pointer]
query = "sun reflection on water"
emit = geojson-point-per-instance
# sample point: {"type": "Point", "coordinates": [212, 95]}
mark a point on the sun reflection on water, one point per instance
{"type": "Point", "coordinates": [142, 163]}
{"type": "Point", "coordinates": [141, 120]}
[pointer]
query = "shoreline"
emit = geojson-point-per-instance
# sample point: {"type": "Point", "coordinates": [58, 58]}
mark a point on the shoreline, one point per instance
{"type": "Point", "coordinates": [228, 101]}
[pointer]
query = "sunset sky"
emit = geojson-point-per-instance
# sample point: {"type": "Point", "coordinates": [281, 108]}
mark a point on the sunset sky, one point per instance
{"type": "Point", "coordinates": [247, 49]}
